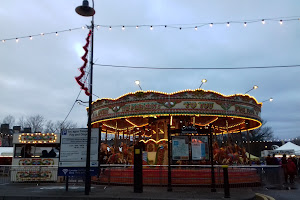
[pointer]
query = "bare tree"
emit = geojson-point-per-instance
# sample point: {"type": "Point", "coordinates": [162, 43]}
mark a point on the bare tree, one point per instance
{"type": "Point", "coordinates": [52, 127]}
{"type": "Point", "coordinates": [262, 133]}
{"type": "Point", "coordinates": [9, 119]}
{"type": "Point", "coordinates": [21, 122]}
{"type": "Point", "coordinates": [36, 122]}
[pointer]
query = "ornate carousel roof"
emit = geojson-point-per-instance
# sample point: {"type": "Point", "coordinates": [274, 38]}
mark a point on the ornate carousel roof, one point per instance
{"type": "Point", "coordinates": [228, 114]}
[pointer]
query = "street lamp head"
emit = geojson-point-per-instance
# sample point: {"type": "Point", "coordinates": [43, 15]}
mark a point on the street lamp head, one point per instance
{"type": "Point", "coordinates": [137, 82]}
{"type": "Point", "coordinates": [271, 99]}
{"type": "Point", "coordinates": [202, 81]}
{"type": "Point", "coordinates": [85, 10]}
{"type": "Point", "coordinates": [255, 87]}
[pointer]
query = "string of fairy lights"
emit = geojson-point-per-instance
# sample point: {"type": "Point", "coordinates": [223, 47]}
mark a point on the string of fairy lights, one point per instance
{"type": "Point", "coordinates": [194, 26]}
{"type": "Point", "coordinates": [244, 141]}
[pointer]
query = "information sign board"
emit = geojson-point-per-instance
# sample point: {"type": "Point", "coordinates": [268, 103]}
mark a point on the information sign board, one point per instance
{"type": "Point", "coordinates": [73, 149]}
{"type": "Point", "coordinates": [199, 147]}
{"type": "Point", "coordinates": [180, 148]}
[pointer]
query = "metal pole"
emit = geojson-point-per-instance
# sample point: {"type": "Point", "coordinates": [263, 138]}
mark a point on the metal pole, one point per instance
{"type": "Point", "coordinates": [99, 149]}
{"type": "Point", "coordinates": [248, 138]}
{"type": "Point", "coordinates": [213, 183]}
{"type": "Point", "coordinates": [169, 161]}
{"type": "Point", "coordinates": [88, 147]}
{"type": "Point", "coordinates": [226, 182]}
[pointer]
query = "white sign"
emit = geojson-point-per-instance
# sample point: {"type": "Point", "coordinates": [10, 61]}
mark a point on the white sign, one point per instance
{"type": "Point", "coordinates": [199, 147]}
{"type": "Point", "coordinates": [73, 147]}
{"type": "Point", "coordinates": [180, 148]}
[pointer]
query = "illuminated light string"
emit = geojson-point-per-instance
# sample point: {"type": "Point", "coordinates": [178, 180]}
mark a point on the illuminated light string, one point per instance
{"type": "Point", "coordinates": [31, 37]}
{"type": "Point", "coordinates": [194, 26]}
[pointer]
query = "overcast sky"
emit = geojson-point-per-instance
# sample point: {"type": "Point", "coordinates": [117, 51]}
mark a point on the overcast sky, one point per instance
{"type": "Point", "coordinates": [37, 76]}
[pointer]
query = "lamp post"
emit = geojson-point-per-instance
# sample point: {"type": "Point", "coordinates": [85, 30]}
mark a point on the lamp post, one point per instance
{"type": "Point", "coordinates": [253, 88]}
{"type": "Point", "coordinates": [137, 82]}
{"type": "Point", "coordinates": [86, 11]}
{"type": "Point", "coordinates": [202, 81]}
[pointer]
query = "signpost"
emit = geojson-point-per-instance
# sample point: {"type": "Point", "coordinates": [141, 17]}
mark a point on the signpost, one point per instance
{"type": "Point", "coordinates": [72, 158]}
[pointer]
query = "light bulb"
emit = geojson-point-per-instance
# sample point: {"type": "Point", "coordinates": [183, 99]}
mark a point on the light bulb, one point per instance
{"type": "Point", "coordinates": [30, 37]}
{"type": "Point", "coordinates": [245, 24]}
{"type": "Point", "coordinates": [56, 33]}
{"type": "Point", "coordinates": [280, 22]}
{"type": "Point", "coordinates": [3, 41]}
{"type": "Point", "coordinates": [211, 24]}
{"type": "Point", "coordinates": [228, 24]}
{"type": "Point", "coordinates": [137, 82]}
{"type": "Point", "coordinates": [110, 28]}
{"type": "Point", "coordinates": [151, 28]}
{"type": "Point", "coordinates": [42, 34]}
{"type": "Point", "coordinates": [263, 21]}
{"type": "Point", "coordinates": [137, 27]}
{"type": "Point", "coordinates": [83, 27]}
{"type": "Point", "coordinates": [123, 28]}
{"type": "Point", "coordinates": [196, 28]}
{"type": "Point", "coordinates": [98, 26]}
{"type": "Point", "coordinates": [271, 99]}
{"type": "Point", "coordinates": [17, 39]}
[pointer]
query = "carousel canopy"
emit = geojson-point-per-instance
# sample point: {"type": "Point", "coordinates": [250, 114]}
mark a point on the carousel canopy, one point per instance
{"type": "Point", "coordinates": [144, 109]}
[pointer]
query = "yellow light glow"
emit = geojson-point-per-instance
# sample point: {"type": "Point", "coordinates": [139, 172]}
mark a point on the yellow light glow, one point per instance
{"type": "Point", "coordinates": [178, 92]}
{"type": "Point", "coordinates": [153, 140]}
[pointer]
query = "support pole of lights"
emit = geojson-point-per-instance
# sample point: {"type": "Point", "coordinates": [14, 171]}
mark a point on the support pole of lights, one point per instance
{"type": "Point", "coordinates": [87, 11]}
{"type": "Point", "coordinates": [271, 99]}
{"type": "Point", "coordinates": [253, 88]}
{"type": "Point", "coordinates": [202, 81]}
{"type": "Point", "coordinates": [137, 82]}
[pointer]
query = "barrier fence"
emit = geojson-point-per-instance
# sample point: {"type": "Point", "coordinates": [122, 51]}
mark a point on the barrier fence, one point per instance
{"type": "Point", "coordinates": [153, 175]}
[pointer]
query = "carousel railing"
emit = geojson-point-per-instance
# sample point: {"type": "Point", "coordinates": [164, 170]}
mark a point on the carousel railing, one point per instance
{"type": "Point", "coordinates": [153, 175]}
{"type": "Point", "coordinates": [192, 175]}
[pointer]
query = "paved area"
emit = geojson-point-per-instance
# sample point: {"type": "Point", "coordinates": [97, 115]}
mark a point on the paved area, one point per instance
{"type": "Point", "coordinates": [30, 191]}
{"type": "Point", "coordinates": [281, 192]}
{"type": "Point", "coordinates": [57, 191]}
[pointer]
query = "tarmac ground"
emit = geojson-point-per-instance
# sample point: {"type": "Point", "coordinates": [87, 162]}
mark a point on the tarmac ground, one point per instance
{"type": "Point", "coordinates": [32, 191]}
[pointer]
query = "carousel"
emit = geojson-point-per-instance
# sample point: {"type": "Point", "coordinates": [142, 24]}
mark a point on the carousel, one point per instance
{"type": "Point", "coordinates": [149, 116]}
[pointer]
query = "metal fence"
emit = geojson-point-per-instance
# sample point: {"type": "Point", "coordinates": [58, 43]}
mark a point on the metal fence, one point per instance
{"type": "Point", "coordinates": [182, 175]}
